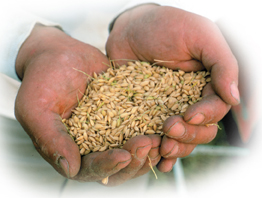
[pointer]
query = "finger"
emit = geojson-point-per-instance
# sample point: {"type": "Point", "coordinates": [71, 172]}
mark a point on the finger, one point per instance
{"type": "Point", "coordinates": [210, 47]}
{"type": "Point", "coordinates": [153, 156]}
{"type": "Point", "coordinates": [210, 109]}
{"type": "Point", "coordinates": [139, 148]}
{"type": "Point", "coordinates": [175, 127]}
{"type": "Point", "coordinates": [170, 148]}
{"type": "Point", "coordinates": [166, 165]}
{"type": "Point", "coordinates": [99, 165]}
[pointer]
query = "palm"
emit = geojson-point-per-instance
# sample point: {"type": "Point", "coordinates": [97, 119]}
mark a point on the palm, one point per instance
{"type": "Point", "coordinates": [184, 40]}
{"type": "Point", "coordinates": [50, 90]}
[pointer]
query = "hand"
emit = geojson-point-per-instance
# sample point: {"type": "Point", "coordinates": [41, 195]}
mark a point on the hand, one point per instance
{"type": "Point", "coordinates": [186, 41]}
{"type": "Point", "coordinates": [50, 89]}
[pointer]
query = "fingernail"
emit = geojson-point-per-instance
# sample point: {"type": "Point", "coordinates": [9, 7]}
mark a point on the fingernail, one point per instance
{"type": "Point", "coordinates": [177, 130]}
{"type": "Point", "coordinates": [142, 152]}
{"type": "Point", "coordinates": [234, 91]}
{"type": "Point", "coordinates": [173, 151]}
{"type": "Point", "coordinates": [197, 119]}
{"type": "Point", "coordinates": [154, 153]}
{"type": "Point", "coordinates": [64, 165]}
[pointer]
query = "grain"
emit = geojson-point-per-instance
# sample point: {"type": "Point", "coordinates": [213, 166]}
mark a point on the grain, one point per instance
{"type": "Point", "coordinates": [133, 99]}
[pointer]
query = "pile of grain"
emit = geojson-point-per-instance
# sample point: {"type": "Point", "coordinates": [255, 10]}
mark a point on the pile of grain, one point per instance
{"type": "Point", "coordinates": [131, 100]}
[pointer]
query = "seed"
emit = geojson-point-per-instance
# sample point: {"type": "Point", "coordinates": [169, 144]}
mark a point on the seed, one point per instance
{"type": "Point", "coordinates": [103, 148]}
{"type": "Point", "coordinates": [114, 145]}
{"type": "Point", "coordinates": [92, 139]}
{"type": "Point", "coordinates": [123, 115]}
{"type": "Point", "coordinates": [175, 107]}
{"type": "Point", "coordinates": [144, 128]}
{"type": "Point", "coordinates": [169, 91]}
{"type": "Point", "coordinates": [114, 124]}
{"type": "Point", "coordinates": [79, 138]}
{"type": "Point", "coordinates": [99, 126]}
{"type": "Point", "coordinates": [85, 146]}
{"type": "Point", "coordinates": [82, 151]}
{"type": "Point", "coordinates": [96, 148]}
{"type": "Point", "coordinates": [110, 113]}
{"type": "Point", "coordinates": [131, 100]}
{"type": "Point", "coordinates": [148, 132]}
{"type": "Point", "coordinates": [134, 109]}
{"type": "Point", "coordinates": [80, 142]}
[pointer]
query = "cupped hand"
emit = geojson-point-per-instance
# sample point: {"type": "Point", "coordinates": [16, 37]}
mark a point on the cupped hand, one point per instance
{"type": "Point", "coordinates": [49, 64]}
{"type": "Point", "coordinates": [182, 40]}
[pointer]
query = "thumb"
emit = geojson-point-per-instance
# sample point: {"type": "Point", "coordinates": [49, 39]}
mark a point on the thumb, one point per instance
{"type": "Point", "coordinates": [50, 137]}
{"type": "Point", "coordinates": [210, 47]}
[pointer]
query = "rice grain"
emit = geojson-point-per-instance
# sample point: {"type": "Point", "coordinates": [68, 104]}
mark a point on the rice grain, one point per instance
{"type": "Point", "coordinates": [133, 99]}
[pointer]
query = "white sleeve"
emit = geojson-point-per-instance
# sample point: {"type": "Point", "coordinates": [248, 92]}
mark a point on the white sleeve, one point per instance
{"type": "Point", "coordinates": [16, 26]}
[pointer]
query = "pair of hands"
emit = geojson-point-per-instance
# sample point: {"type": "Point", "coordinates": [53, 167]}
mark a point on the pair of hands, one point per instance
{"type": "Point", "coordinates": [50, 88]}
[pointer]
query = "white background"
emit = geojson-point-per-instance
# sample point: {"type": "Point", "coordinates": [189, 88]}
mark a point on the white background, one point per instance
{"type": "Point", "coordinates": [88, 21]}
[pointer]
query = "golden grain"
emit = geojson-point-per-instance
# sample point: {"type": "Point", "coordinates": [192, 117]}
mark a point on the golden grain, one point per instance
{"type": "Point", "coordinates": [131, 100]}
